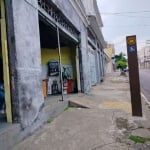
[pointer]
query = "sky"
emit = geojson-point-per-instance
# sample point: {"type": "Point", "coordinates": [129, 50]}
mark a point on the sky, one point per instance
{"type": "Point", "coordinates": [122, 18]}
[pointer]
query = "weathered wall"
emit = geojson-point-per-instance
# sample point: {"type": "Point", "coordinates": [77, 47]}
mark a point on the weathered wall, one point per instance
{"type": "Point", "coordinates": [84, 50]}
{"type": "Point", "coordinates": [98, 66]}
{"type": "Point", "coordinates": [28, 62]}
{"type": "Point", "coordinates": [69, 12]}
{"type": "Point", "coordinates": [101, 65]}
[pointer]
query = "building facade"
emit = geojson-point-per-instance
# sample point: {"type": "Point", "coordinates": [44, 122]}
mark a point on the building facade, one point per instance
{"type": "Point", "coordinates": [95, 43]}
{"type": "Point", "coordinates": [41, 40]}
{"type": "Point", "coordinates": [144, 57]}
{"type": "Point", "coordinates": [110, 52]}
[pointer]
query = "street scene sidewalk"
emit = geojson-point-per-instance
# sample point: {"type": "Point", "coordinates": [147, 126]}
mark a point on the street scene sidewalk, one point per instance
{"type": "Point", "coordinates": [98, 120]}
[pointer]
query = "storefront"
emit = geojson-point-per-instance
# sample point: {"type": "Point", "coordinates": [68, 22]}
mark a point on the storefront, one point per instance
{"type": "Point", "coordinates": [59, 54]}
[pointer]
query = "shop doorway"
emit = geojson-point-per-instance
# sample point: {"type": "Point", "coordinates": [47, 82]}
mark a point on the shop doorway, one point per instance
{"type": "Point", "coordinates": [52, 84]}
{"type": "Point", "coordinates": [5, 98]}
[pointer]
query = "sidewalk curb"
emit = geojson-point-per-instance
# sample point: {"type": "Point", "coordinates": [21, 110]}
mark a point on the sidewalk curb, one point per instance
{"type": "Point", "coordinates": [145, 99]}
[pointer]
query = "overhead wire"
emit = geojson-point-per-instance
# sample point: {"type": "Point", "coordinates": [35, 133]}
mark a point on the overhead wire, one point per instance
{"type": "Point", "coordinates": [126, 26]}
{"type": "Point", "coordinates": [125, 14]}
{"type": "Point", "coordinates": [128, 12]}
{"type": "Point", "coordinates": [120, 15]}
{"type": "Point", "coordinates": [144, 14]}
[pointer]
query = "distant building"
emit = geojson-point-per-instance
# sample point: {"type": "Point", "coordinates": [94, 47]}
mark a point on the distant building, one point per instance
{"type": "Point", "coordinates": [144, 57]}
{"type": "Point", "coordinates": [110, 53]}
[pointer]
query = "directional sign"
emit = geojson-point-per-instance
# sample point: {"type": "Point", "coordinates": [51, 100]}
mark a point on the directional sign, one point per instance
{"type": "Point", "coordinates": [134, 76]}
{"type": "Point", "coordinates": [132, 48]}
{"type": "Point", "coordinates": [131, 40]}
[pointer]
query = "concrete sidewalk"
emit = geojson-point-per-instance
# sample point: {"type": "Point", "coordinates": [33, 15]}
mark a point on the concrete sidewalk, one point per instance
{"type": "Point", "coordinates": [105, 123]}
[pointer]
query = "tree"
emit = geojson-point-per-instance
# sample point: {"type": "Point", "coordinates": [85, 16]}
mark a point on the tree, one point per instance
{"type": "Point", "coordinates": [121, 64]}
{"type": "Point", "coordinates": [121, 61]}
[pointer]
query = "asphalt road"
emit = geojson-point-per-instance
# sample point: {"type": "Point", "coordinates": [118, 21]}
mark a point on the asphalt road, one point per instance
{"type": "Point", "coordinates": [145, 82]}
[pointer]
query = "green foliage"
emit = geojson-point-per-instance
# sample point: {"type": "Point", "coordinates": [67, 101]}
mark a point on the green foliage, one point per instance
{"type": "Point", "coordinates": [121, 64]}
{"type": "Point", "coordinates": [66, 108]}
{"type": "Point", "coordinates": [138, 139]}
{"type": "Point", "coordinates": [121, 61]}
{"type": "Point", "coordinates": [69, 106]}
{"type": "Point", "coordinates": [49, 120]}
{"type": "Point", "coordinates": [120, 56]}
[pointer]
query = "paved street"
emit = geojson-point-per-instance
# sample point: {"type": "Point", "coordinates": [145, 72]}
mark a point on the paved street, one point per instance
{"type": "Point", "coordinates": [105, 123]}
{"type": "Point", "coordinates": [145, 82]}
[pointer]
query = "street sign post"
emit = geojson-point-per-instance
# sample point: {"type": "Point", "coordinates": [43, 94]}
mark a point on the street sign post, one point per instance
{"type": "Point", "coordinates": [134, 76]}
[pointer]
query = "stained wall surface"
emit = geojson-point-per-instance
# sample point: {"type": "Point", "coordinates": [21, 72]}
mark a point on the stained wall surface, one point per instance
{"type": "Point", "coordinates": [28, 62]}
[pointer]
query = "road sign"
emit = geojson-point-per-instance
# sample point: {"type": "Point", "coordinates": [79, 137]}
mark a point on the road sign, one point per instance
{"type": "Point", "coordinates": [132, 48]}
{"type": "Point", "coordinates": [134, 76]}
{"type": "Point", "coordinates": [131, 40]}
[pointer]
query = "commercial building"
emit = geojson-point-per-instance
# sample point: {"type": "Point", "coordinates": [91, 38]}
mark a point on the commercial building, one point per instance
{"type": "Point", "coordinates": [110, 53]}
{"type": "Point", "coordinates": [44, 42]}
{"type": "Point", "coordinates": [144, 57]}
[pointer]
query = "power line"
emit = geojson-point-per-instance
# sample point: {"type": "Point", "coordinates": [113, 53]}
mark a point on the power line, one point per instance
{"type": "Point", "coordinates": [120, 15]}
{"type": "Point", "coordinates": [125, 14]}
{"type": "Point", "coordinates": [129, 12]}
{"type": "Point", "coordinates": [111, 26]}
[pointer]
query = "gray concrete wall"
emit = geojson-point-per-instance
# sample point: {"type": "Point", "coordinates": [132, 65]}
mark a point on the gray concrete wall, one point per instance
{"type": "Point", "coordinates": [101, 66]}
{"type": "Point", "coordinates": [98, 66]}
{"type": "Point", "coordinates": [28, 62]}
{"type": "Point", "coordinates": [69, 11]}
{"type": "Point", "coordinates": [84, 50]}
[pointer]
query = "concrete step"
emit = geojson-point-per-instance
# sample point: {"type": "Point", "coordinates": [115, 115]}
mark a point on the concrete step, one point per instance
{"type": "Point", "coordinates": [55, 108]}
{"type": "Point", "coordinates": [10, 134]}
